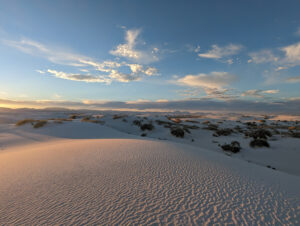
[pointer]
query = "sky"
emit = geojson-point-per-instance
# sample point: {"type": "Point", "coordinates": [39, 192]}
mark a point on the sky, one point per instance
{"type": "Point", "coordinates": [151, 54]}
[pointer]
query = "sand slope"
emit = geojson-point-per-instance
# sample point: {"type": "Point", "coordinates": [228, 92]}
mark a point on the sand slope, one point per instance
{"type": "Point", "coordinates": [134, 181]}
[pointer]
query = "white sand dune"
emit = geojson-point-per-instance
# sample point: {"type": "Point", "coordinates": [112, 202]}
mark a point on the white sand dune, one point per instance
{"type": "Point", "coordinates": [58, 180]}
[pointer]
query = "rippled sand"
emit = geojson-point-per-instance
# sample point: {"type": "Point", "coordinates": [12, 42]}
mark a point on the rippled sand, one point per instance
{"type": "Point", "coordinates": [134, 181]}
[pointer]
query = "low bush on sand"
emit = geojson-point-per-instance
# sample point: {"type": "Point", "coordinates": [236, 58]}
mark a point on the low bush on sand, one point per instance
{"type": "Point", "coordinates": [88, 119]}
{"type": "Point", "coordinates": [234, 147]}
{"type": "Point", "coordinates": [137, 122]}
{"type": "Point", "coordinates": [177, 132]}
{"type": "Point", "coordinates": [40, 124]}
{"type": "Point", "coordinates": [119, 116]}
{"type": "Point", "coordinates": [223, 132]}
{"type": "Point", "coordinates": [147, 126]}
{"type": "Point", "coordinates": [212, 127]}
{"type": "Point", "coordinates": [259, 134]}
{"type": "Point", "coordinates": [25, 121]}
{"type": "Point", "coordinates": [259, 143]}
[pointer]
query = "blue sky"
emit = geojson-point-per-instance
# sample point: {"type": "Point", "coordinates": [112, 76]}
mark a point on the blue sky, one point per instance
{"type": "Point", "coordinates": [148, 51]}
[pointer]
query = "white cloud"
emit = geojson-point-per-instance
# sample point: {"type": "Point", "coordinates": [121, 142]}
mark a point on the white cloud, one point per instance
{"type": "Point", "coordinates": [280, 68]}
{"type": "Point", "coordinates": [289, 56]}
{"type": "Point", "coordinates": [263, 56]}
{"type": "Point", "coordinates": [271, 91]}
{"type": "Point", "coordinates": [259, 93]}
{"type": "Point", "coordinates": [292, 54]}
{"type": "Point", "coordinates": [40, 71]}
{"type": "Point", "coordinates": [294, 79]}
{"type": "Point", "coordinates": [53, 54]}
{"type": "Point", "coordinates": [213, 84]}
{"type": "Point", "coordinates": [78, 77]}
{"type": "Point", "coordinates": [213, 80]}
{"type": "Point", "coordinates": [110, 70]}
{"type": "Point", "coordinates": [219, 52]}
{"type": "Point", "coordinates": [128, 49]}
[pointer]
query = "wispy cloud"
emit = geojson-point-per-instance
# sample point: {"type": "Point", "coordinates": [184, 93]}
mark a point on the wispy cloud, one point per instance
{"type": "Point", "coordinates": [213, 80]}
{"type": "Point", "coordinates": [218, 52]}
{"type": "Point", "coordinates": [213, 84]}
{"type": "Point", "coordinates": [294, 79]}
{"type": "Point", "coordinates": [259, 93]}
{"type": "Point", "coordinates": [78, 77]}
{"type": "Point", "coordinates": [263, 56]}
{"type": "Point", "coordinates": [89, 68]}
{"type": "Point", "coordinates": [284, 58]}
{"type": "Point", "coordinates": [54, 55]}
{"type": "Point", "coordinates": [129, 49]}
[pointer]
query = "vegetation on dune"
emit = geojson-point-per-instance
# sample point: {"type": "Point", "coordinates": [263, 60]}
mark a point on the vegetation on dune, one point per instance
{"type": "Point", "coordinates": [147, 126]}
{"type": "Point", "coordinates": [40, 124]}
{"type": "Point", "coordinates": [177, 132]}
{"type": "Point", "coordinates": [234, 147]}
{"type": "Point", "coordinates": [259, 143]}
{"type": "Point", "coordinates": [25, 121]}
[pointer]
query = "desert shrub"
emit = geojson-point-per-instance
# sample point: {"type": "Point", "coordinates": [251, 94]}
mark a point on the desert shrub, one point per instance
{"type": "Point", "coordinates": [251, 124]}
{"type": "Point", "coordinates": [262, 121]}
{"type": "Point", "coordinates": [292, 128]}
{"type": "Point", "coordinates": [259, 143]}
{"type": "Point", "coordinates": [206, 122]}
{"type": "Point", "coordinates": [86, 119]}
{"type": "Point", "coordinates": [137, 122]}
{"type": "Point", "coordinates": [119, 116]}
{"type": "Point", "coordinates": [259, 134]}
{"type": "Point", "coordinates": [74, 116]}
{"type": "Point", "coordinates": [40, 124]}
{"type": "Point", "coordinates": [176, 120]}
{"type": "Point", "coordinates": [223, 132]}
{"type": "Point", "coordinates": [191, 121]}
{"type": "Point", "coordinates": [295, 134]}
{"type": "Point", "coordinates": [234, 147]}
{"type": "Point", "coordinates": [25, 121]}
{"type": "Point", "coordinates": [143, 134]}
{"type": "Point", "coordinates": [238, 129]}
{"type": "Point", "coordinates": [147, 126]}
{"type": "Point", "coordinates": [212, 127]}
{"type": "Point", "coordinates": [191, 127]}
{"type": "Point", "coordinates": [177, 132]}
{"type": "Point", "coordinates": [165, 123]}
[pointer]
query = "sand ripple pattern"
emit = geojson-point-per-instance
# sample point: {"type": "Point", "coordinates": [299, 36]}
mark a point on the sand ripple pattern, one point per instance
{"type": "Point", "coordinates": [119, 182]}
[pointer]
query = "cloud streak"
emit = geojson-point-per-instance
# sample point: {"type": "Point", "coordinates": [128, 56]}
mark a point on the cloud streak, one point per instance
{"type": "Point", "coordinates": [284, 107]}
{"type": "Point", "coordinates": [90, 70]}
{"type": "Point", "coordinates": [218, 52]}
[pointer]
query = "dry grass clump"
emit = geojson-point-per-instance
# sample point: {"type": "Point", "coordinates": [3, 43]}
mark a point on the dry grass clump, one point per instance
{"type": "Point", "coordinates": [88, 119]}
{"type": "Point", "coordinates": [259, 143]}
{"type": "Point", "coordinates": [223, 132]}
{"type": "Point", "coordinates": [137, 122]}
{"type": "Point", "coordinates": [176, 120]}
{"type": "Point", "coordinates": [74, 116]}
{"type": "Point", "coordinates": [191, 121]}
{"type": "Point", "coordinates": [212, 127]}
{"type": "Point", "coordinates": [259, 134]}
{"type": "Point", "coordinates": [40, 124]}
{"type": "Point", "coordinates": [295, 134]}
{"type": "Point", "coordinates": [147, 126]}
{"type": "Point", "coordinates": [25, 121]}
{"type": "Point", "coordinates": [234, 147]}
{"type": "Point", "coordinates": [177, 132]}
{"type": "Point", "coordinates": [119, 116]}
